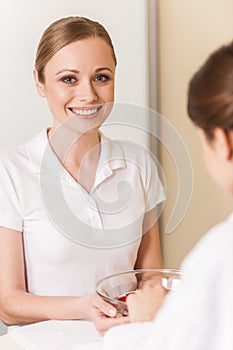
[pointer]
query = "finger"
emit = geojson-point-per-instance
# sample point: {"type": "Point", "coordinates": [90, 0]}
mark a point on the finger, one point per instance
{"type": "Point", "coordinates": [103, 323]}
{"type": "Point", "coordinates": [120, 320]}
{"type": "Point", "coordinates": [104, 307]}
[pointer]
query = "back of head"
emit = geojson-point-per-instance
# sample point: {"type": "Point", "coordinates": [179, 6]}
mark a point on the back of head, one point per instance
{"type": "Point", "coordinates": [210, 94]}
{"type": "Point", "coordinates": [63, 32]}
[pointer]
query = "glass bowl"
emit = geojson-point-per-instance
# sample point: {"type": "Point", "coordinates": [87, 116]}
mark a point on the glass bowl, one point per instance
{"type": "Point", "coordinates": [115, 288]}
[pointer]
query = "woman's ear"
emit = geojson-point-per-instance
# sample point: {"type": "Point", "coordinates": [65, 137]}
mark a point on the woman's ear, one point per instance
{"type": "Point", "coordinates": [223, 143]}
{"type": "Point", "coordinates": [39, 86]}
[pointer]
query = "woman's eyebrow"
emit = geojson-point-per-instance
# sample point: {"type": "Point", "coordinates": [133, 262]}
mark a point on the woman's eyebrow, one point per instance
{"type": "Point", "coordinates": [68, 70]}
{"type": "Point", "coordinates": [77, 71]}
{"type": "Point", "coordinates": [103, 68]}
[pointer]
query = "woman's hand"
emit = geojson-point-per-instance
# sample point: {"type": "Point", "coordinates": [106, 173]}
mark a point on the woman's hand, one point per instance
{"type": "Point", "coordinates": [104, 314]}
{"type": "Point", "coordinates": [145, 302]}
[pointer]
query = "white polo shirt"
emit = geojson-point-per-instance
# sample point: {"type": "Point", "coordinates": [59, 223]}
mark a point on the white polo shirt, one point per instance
{"type": "Point", "coordinates": [71, 237]}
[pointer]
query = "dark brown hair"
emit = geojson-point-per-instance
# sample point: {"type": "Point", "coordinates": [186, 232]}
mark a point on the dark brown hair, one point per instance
{"type": "Point", "coordinates": [63, 32]}
{"type": "Point", "coordinates": [210, 93]}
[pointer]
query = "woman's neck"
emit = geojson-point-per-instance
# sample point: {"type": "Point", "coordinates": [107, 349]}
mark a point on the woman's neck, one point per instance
{"type": "Point", "coordinates": [72, 146]}
{"type": "Point", "coordinates": [78, 153]}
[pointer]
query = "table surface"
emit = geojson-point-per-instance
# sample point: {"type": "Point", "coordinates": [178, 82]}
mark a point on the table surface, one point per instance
{"type": "Point", "coordinates": [56, 335]}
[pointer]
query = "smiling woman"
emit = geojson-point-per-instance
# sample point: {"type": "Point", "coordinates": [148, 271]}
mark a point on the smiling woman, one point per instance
{"type": "Point", "coordinates": [79, 81]}
{"type": "Point", "coordinates": [74, 205]}
{"type": "Point", "coordinates": [77, 75]}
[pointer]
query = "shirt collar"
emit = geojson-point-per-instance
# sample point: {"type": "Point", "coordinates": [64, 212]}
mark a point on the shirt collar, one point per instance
{"type": "Point", "coordinates": [112, 157]}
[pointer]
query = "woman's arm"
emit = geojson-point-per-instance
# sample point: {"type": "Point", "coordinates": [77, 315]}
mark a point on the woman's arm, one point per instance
{"type": "Point", "coordinates": [145, 302]}
{"type": "Point", "coordinates": [17, 306]}
{"type": "Point", "coordinates": [149, 253]}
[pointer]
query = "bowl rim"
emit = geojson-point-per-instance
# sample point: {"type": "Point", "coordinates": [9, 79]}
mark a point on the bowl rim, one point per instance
{"type": "Point", "coordinates": [114, 301]}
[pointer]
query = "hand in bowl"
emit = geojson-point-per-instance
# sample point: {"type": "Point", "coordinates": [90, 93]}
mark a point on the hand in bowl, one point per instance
{"type": "Point", "coordinates": [104, 314]}
{"type": "Point", "coordinates": [145, 302]}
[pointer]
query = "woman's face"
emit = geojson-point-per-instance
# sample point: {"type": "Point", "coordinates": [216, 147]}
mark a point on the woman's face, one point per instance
{"type": "Point", "coordinates": [79, 82]}
{"type": "Point", "coordinates": [215, 154]}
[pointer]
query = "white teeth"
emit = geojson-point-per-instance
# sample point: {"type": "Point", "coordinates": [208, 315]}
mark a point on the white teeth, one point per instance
{"type": "Point", "coordinates": [85, 111]}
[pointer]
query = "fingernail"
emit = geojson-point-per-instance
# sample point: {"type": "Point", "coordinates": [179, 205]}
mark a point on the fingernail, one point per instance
{"type": "Point", "coordinates": [112, 312]}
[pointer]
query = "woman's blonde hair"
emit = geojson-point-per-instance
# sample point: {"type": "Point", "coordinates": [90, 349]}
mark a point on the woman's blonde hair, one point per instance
{"type": "Point", "coordinates": [63, 32]}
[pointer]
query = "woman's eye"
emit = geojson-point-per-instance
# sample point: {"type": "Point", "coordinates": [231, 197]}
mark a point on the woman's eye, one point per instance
{"type": "Point", "coordinates": [101, 78]}
{"type": "Point", "coordinates": [69, 80]}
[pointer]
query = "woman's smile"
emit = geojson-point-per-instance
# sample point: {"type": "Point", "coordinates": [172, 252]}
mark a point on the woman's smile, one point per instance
{"type": "Point", "coordinates": [86, 112]}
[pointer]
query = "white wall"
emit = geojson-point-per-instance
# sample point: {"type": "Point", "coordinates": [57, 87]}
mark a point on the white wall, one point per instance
{"type": "Point", "coordinates": [22, 112]}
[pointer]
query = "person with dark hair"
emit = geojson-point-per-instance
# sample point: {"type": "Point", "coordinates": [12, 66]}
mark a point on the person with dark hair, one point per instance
{"type": "Point", "coordinates": [75, 206]}
{"type": "Point", "coordinates": [198, 314]}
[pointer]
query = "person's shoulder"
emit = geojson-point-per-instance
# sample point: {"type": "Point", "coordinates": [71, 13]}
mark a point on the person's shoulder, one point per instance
{"type": "Point", "coordinates": [131, 145]}
{"type": "Point", "coordinates": [10, 154]}
{"type": "Point", "coordinates": [134, 150]}
{"type": "Point", "coordinates": [16, 154]}
{"type": "Point", "coordinates": [221, 234]}
{"type": "Point", "coordinates": [214, 246]}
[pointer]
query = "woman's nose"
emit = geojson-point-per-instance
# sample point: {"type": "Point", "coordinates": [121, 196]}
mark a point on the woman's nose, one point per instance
{"type": "Point", "coordinates": [86, 92]}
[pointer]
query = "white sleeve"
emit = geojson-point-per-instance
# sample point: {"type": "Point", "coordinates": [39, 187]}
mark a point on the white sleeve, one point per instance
{"type": "Point", "coordinates": [10, 215]}
{"type": "Point", "coordinates": [125, 337]}
{"type": "Point", "coordinates": [155, 190]}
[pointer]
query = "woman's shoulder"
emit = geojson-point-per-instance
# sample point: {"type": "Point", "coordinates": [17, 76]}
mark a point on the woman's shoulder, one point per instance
{"type": "Point", "coordinates": [132, 150]}
{"type": "Point", "coordinates": [220, 235]}
{"type": "Point", "coordinates": [16, 155]}
{"type": "Point", "coordinates": [213, 248]}
{"type": "Point", "coordinates": [9, 155]}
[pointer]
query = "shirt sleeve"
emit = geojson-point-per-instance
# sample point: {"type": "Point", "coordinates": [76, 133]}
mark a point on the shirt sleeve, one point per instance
{"type": "Point", "coordinates": [129, 336]}
{"type": "Point", "coordinates": [10, 214]}
{"type": "Point", "coordinates": [155, 193]}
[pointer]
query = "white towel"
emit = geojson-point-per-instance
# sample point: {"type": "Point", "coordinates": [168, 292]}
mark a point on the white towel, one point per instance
{"type": "Point", "coordinates": [56, 335]}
